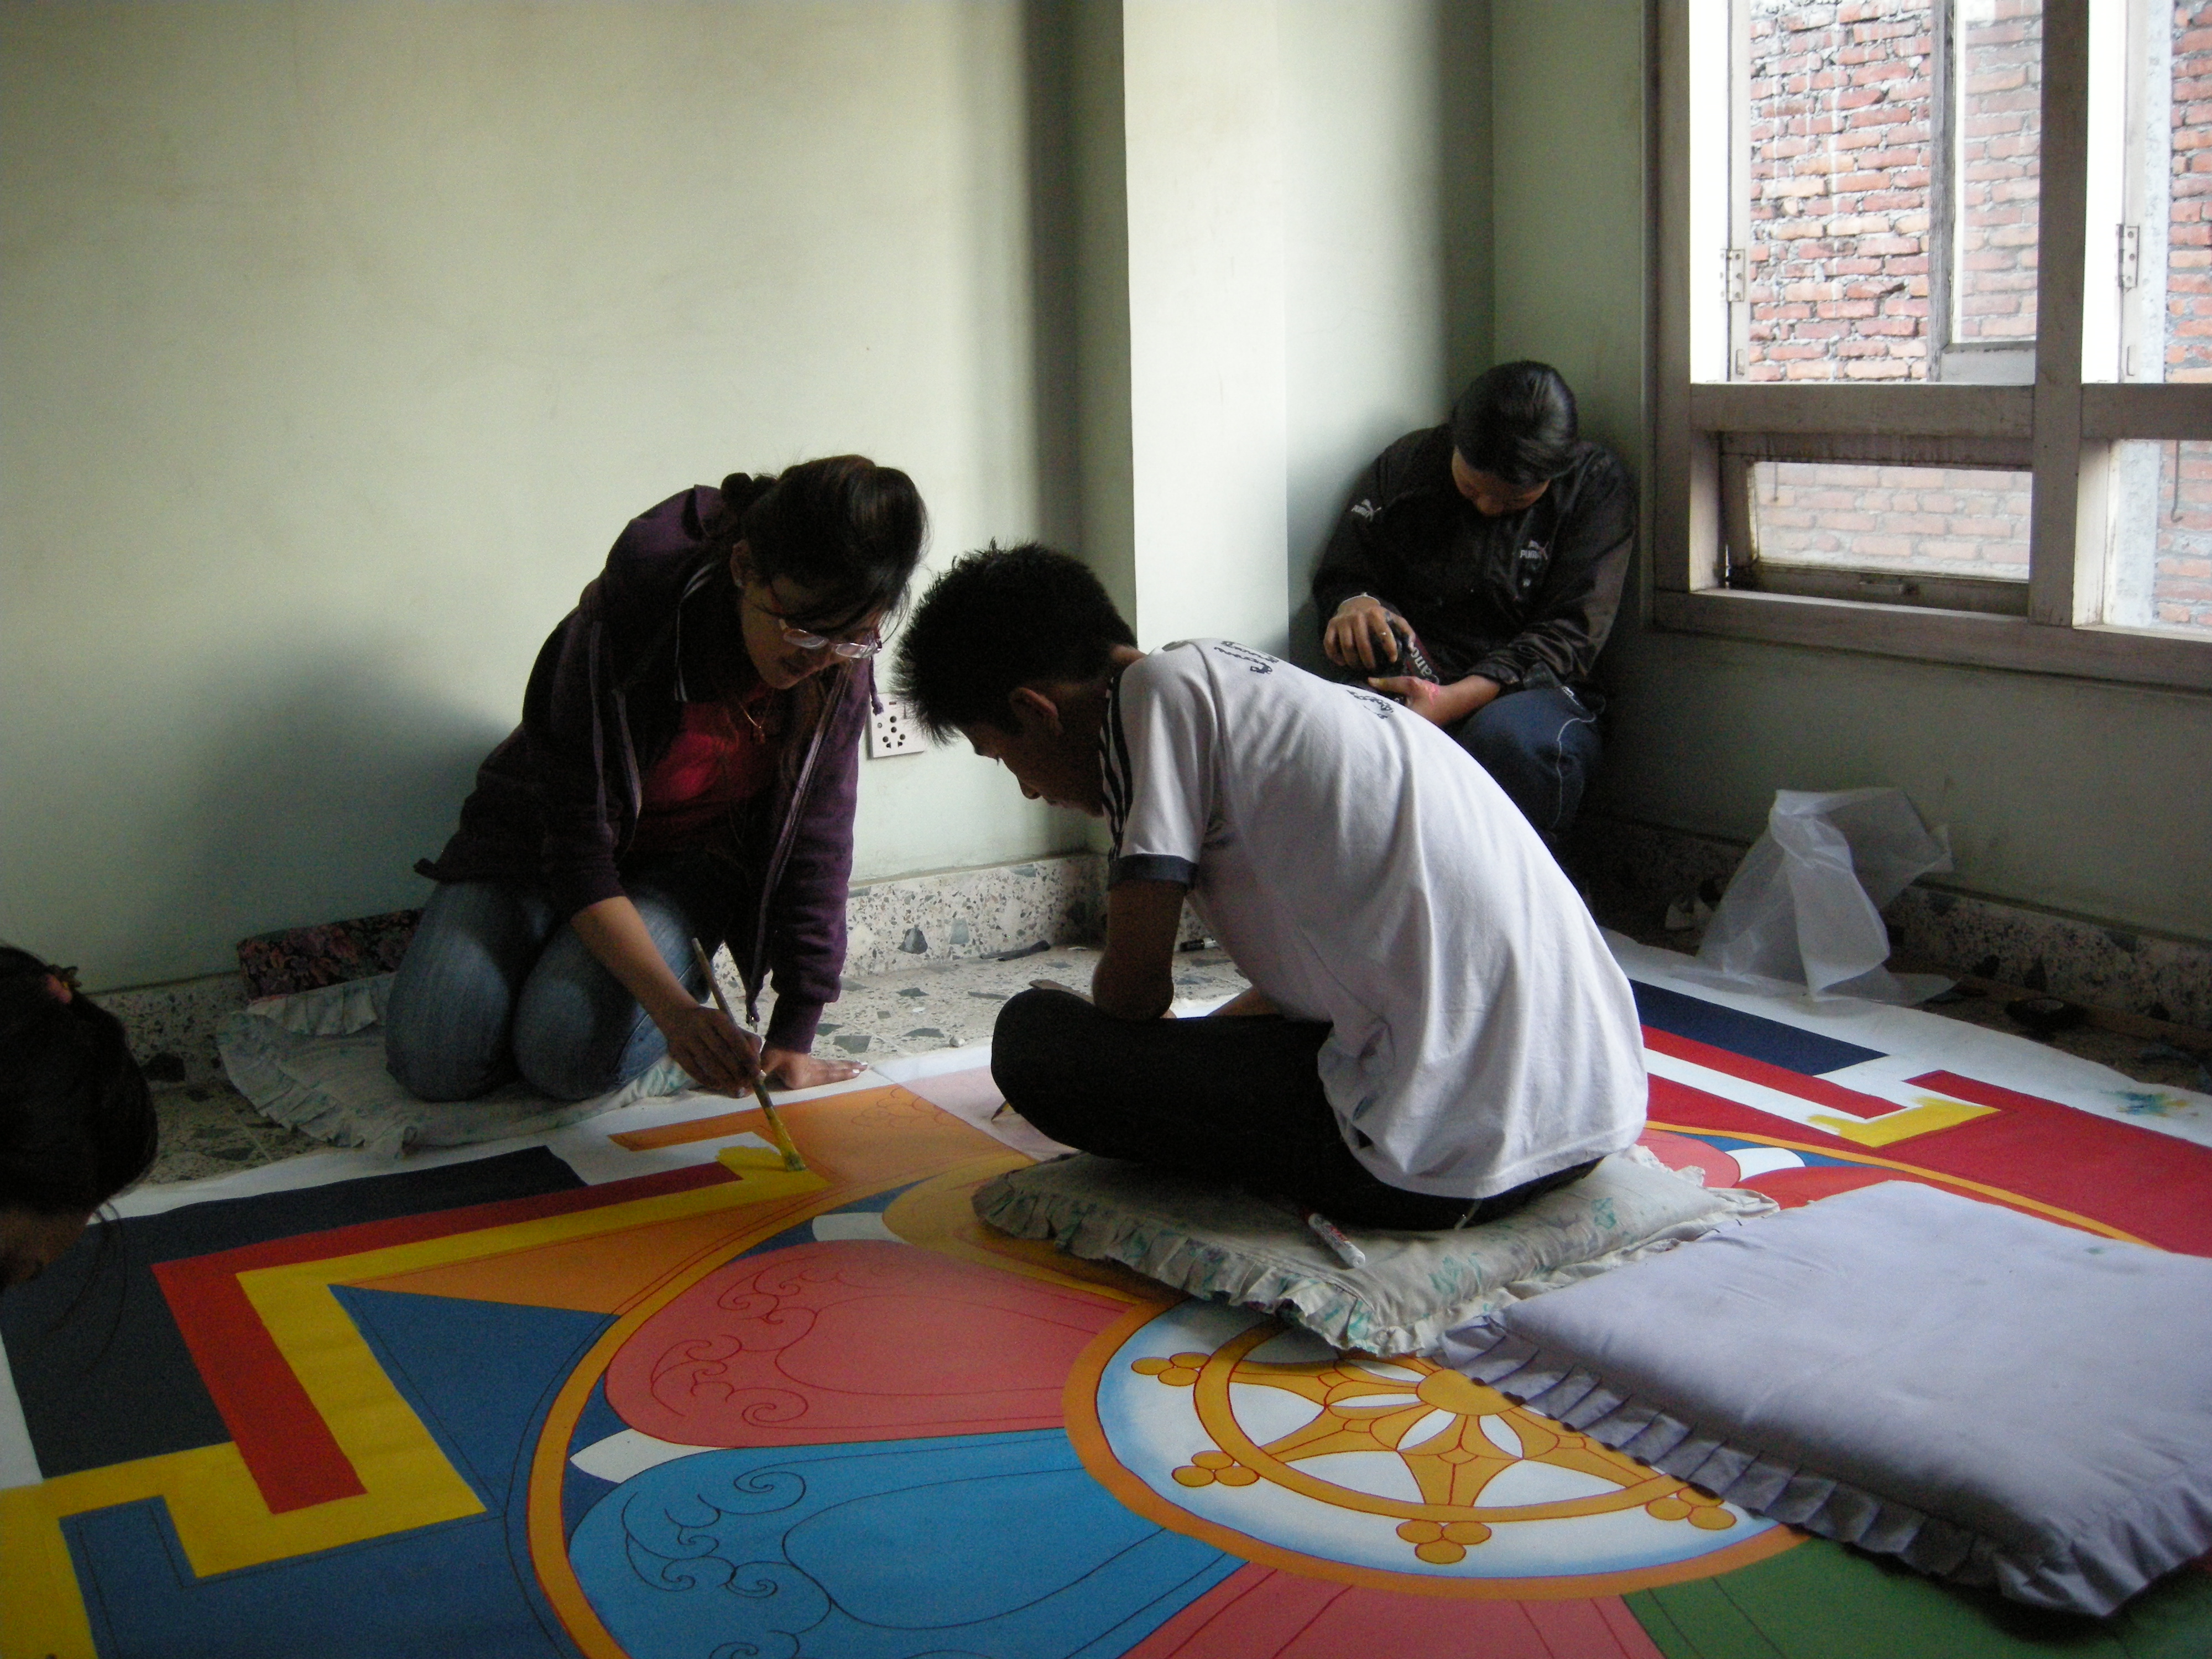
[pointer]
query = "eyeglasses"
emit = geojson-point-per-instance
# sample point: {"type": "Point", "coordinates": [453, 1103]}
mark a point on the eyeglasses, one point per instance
{"type": "Point", "coordinates": [799, 639]}
{"type": "Point", "coordinates": [850, 650]}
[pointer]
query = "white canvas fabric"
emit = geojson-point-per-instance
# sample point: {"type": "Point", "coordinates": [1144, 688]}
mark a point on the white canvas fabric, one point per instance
{"type": "Point", "coordinates": [1363, 871]}
{"type": "Point", "coordinates": [1987, 1395]}
{"type": "Point", "coordinates": [315, 1060]}
{"type": "Point", "coordinates": [1212, 1240]}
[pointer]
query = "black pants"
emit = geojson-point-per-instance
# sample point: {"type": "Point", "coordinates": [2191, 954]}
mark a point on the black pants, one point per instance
{"type": "Point", "coordinates": [1237, 1099]}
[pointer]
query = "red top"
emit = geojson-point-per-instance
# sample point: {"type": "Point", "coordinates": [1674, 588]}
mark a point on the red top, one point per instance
{"type": "Point", "coordinates": [722, 756]}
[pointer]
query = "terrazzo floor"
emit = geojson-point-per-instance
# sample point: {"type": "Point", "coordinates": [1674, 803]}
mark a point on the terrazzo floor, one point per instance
{"type": "Point", "coordinates": [210, 1128]}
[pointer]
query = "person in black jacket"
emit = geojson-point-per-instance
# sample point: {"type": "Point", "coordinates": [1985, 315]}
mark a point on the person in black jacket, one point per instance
{"type": "Point", "coordinates": [1476, 574]}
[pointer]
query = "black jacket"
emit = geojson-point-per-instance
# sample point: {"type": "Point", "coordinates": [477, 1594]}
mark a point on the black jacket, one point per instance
{"type": "Point", "coordinates": [1526, 600]}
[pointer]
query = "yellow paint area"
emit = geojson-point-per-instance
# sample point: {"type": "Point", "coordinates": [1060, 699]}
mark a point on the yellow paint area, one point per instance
{"type": "Point", "coordinates": [1932, 1112]}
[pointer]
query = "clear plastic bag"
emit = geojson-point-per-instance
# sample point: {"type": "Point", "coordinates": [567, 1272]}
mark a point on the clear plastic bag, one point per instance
{"type": "Point", "coordinates": [1804, 908]}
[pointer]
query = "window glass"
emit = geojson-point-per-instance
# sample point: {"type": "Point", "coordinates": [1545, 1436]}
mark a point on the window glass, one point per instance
{"type": "Point", "coordinates": [1997, 125]}
{"type": "Point", "coordinates": [2161, 574]}
{"type": "Point", "coordinates": [1842, 111]}
{"type": "Point", "coordinates": [1930, 520]}
{"type": "Point", "coordinates": [1893, 165]}
{"type": "Point", "coordinates": [2188, 354]}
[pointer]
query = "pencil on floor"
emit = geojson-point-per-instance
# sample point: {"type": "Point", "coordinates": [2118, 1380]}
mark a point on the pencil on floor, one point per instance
{"type": "Point", "coordinates": [777, 1132]}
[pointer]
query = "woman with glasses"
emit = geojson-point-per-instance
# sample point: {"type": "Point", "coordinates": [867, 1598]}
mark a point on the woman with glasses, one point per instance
{"type": "Point", "coordinates": [685, 769]}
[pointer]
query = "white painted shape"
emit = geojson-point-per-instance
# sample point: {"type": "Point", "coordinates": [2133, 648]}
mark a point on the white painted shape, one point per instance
{"type": "Point", "coordinates": [1757, 1095]}
{"type": "Point", "coordinates": [630, 1452]}
{"type": "Point", "coordinates": [1764, 1160]}
{"type": "Point", "coordinates": [907, 1069]}
{"type": "Point", "coordinates": [854, 1224]}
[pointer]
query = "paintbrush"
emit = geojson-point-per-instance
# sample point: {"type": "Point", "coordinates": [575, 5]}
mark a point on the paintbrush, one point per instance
{"type": "Point", "coordinates": [784, 1143]}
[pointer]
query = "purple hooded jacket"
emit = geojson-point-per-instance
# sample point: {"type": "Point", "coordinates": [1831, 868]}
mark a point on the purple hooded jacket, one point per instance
{"type": "Point", "coordinates": [556, 804]}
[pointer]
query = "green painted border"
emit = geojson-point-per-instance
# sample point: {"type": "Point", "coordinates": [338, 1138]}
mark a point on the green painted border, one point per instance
{"type": "Point", "coordinates": [1821, 1601]}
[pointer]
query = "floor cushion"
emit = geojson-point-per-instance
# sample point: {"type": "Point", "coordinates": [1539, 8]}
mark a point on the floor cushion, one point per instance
{"type": "Point", "coordinates": [1209, 1239]}
{"type": "Point", "coordinates": [1984, 1394]}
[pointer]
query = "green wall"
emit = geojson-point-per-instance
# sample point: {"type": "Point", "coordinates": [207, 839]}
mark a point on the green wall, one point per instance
{"type": "Point", "coordinates": [340, 339]}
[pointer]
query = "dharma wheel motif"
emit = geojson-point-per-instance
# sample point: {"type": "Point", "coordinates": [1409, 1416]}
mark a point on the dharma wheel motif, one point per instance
{"type": "Point", "coordinates": [1370, 1406]}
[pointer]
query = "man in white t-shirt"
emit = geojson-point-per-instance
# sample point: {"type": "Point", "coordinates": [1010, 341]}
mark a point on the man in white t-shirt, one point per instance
{"type": "Point", "coordinates": [1435, 1032]}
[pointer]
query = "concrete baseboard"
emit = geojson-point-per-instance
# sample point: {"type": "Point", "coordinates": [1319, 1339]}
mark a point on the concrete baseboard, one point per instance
{"type": "Point", "coordinates": [1634, 870]}
{"type": "Point", "coordinates": [890, 925]}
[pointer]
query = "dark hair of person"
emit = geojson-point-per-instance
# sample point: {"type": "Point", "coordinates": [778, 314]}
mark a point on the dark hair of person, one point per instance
{"type": "Point", "coordinates": [76, 1121]}
{"type": "Point", "coordinates": [1516, 423]}
{"type": "Point", "coordinates": [999, 618]}
{"type": "Point", "coordinates": [842, 527]}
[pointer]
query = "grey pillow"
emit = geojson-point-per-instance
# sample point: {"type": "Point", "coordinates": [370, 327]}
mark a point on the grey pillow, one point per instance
{"type": "Point", "coordinates": [1987, 1395]}
{"type": "Point", "coordinates": [1213, 1240]}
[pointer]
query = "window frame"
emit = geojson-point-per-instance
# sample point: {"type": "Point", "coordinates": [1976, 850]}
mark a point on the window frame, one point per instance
{"type": "Point", "coordinates": [2068, 425]}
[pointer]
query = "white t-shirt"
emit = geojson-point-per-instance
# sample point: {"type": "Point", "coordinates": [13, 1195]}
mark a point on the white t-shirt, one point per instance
{"type": "Point", "coordinates": [1363, 871]}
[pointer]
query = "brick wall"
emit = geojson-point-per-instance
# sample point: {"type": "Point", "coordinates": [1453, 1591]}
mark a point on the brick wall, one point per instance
{"type": "Point", "coordinates": [1843, 104]}
{"type": "Point", "coordinates": [2181, 585]}
{"type": "Point", "coordinates": [1950, 520]}
{"type": "Point", "coordinates": [1841, 107]}
{"type": "Point", "coordinates": [2000, 46]}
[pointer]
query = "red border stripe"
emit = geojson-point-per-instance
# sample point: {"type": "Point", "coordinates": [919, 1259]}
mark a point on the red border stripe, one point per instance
{"type": "Point", "coordinates": [286, 1445]}
{"type": "Point", "coordinates": [1818, 1091]}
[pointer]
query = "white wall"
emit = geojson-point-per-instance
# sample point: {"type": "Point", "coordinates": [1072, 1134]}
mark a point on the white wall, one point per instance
{"type": "Point", "coordinates": [1283, 222]}
{"type": "Point", "coordinates": [1385, 227]}
{"type": "Point", "coordinates": [1201, 86]}
{"type": "Point", "coordinates": [341, 338]}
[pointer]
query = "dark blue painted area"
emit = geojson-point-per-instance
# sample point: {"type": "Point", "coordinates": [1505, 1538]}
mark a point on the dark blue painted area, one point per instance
{"type": "Point", "coordinates": [478, 1374]}
{"type": "Point", "coordinates": [578, 1491]}
{"type": "Point", "coordinates": [449, 1589]}
{"type": "Point", "coordinates": [596, 1421]}
{"type": "Point", "coordinates": [1752, 1035]}
{"type": "Point", "coordinates": [998, 1544]}
{"type": "Point", "coordinates": [104, 1374]}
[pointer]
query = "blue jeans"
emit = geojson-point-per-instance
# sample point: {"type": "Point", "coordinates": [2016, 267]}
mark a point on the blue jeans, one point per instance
{"type": "Point", "coordinates": [1541, 745]}
{"type": "Point", "coordinates": [496, 983]}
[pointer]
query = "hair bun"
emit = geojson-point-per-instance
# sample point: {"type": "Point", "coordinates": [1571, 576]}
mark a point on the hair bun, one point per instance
{"type": "Point", "coordinates": [741, 489]}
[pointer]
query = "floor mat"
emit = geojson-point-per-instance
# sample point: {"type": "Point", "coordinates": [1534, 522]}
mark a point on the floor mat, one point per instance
{"type": "Point", "coordinates": [599, 1393]}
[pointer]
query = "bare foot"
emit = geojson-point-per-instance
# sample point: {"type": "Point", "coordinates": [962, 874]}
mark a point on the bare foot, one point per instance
{"type": "Point", "coordinates": [786, 1070]}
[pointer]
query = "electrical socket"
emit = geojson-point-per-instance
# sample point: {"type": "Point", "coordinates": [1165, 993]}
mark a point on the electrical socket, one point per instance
{"type": "Point", "coordinates": [892, 731]}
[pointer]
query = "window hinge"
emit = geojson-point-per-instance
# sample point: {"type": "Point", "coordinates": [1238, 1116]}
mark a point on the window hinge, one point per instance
{"type": "Point", "coordinates": [2130, 255]}
{"type": "Point", "coordinates": [1738, 289]}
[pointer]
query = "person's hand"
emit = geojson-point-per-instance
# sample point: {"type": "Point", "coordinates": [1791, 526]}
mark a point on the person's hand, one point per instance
{"type": "Point", "coordinates": [786, 1068]}
{"type": "Point", "coordinates": [708, 1044]}
{"type": "Point", "coordinates": [1440, 705]}
{"type": "Point", "coordinates": [1360, 635]}
{"type": "Point", "coordinates": [1423, 697]}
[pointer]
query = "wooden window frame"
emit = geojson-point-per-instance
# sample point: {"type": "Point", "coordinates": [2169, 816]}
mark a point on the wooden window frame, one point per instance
{"type": "Point", "coordinates": [2065, 426]}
